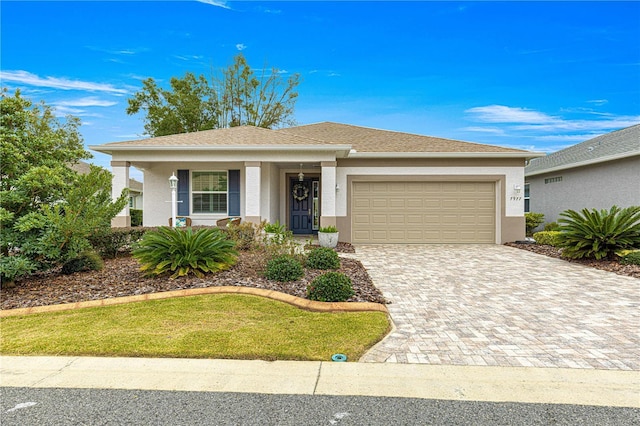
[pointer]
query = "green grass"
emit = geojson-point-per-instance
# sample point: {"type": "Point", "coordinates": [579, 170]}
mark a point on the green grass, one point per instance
{"type": "Point", "coordinates": [212, 326]}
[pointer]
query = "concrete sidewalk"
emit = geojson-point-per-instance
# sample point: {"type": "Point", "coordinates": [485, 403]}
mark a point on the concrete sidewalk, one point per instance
{"type": "Point", "coordinates": [463, 383]}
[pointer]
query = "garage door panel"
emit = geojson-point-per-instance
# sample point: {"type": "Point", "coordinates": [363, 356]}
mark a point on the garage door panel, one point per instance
{"type": "Point", "coordinates": [398, 203]}
{"type": "Point", "coordinates": [423, 212]}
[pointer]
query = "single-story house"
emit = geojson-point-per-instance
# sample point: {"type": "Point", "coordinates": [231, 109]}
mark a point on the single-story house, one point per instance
{"type": "Point", "coordinates": [598, 173]}
{"type": "Point", "coordinates": [376, 186]}
{"type": "Point", "coordinates": [135, 194]}
{"type": "Point", "coordinates": [135, 187]}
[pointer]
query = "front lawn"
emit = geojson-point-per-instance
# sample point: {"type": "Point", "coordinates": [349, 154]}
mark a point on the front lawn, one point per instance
{"type": "Point", "coordinates": [212, 326]}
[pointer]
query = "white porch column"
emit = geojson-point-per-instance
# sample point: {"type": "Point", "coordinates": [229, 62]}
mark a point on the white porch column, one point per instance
{"type": "Point", "coordinates": [120, 181]}
{"type": "Point", "coordinates": [252, 191]}
{"type": "Point", "coordinates": [328, 196]}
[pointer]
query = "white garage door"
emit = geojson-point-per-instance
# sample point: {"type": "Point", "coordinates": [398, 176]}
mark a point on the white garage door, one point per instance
{"type": "Point", "coordinates": [423, 212]}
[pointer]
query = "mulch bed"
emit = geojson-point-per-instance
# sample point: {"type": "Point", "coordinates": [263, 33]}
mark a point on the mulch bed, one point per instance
{"type": "Point", "coordinates": [605, 264]}
{"type": "Point", "coordinates": [122, 277]}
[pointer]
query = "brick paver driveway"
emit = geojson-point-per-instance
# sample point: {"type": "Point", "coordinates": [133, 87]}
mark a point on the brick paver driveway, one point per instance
{"type": "Point", "coordinates": [497, 305]}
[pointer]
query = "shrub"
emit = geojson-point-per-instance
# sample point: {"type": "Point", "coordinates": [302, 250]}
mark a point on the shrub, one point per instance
{"type": "Point", "coordinates": [532, 221]}
{"type": "Point", "coordinates": [632, 258]}
{"type": "Point", "coordinates": [599, 234]}
{"type": "Point", "coordinates": [86, 261]}
{"type": "Point", "coordinates": [330, 287]}
{"type": "Point", "coordinates": [283, 244]}
{"type": "Point", "coordinates": [243, 235]}
{"type": "Point", "coordinates": [183, 251]}
{"type": "Point", "coordinates": [136, 217]}
{"type": "Point", "coordinates": [274, 228]}
{"type": "Point", "coordinates": [284, 268]}
{"type": "Point", "coordinates": [551, 238]}
{"type": "Point", "coordinates": [14, 267]}
{"type": "Point", "coordinates": [551, 226]}
{"type": "Point", "coordinates": [109, 242]}
{"type": "Point", "coordinates": [323, 258]}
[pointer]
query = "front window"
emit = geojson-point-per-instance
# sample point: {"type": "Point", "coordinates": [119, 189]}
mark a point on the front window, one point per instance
{"type": "Point", "coordinates": [526, 198]}
{"type": "Point", "coordinates": [209, 192]}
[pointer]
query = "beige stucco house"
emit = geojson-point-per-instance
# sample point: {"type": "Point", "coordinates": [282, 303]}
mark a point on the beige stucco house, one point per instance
{"type": "Point", "coordinates": [376, 186]}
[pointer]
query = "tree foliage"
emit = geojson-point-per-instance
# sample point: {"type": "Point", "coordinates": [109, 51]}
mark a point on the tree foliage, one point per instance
{"type": "Point", "coordinates": [47, 210]}
{"type": "Point", "coordinates": [237, 97]}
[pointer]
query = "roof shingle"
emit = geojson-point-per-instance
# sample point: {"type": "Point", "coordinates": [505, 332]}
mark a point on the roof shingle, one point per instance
{"type": "Point", "coordinates": [360, 139]}
{"type": "Point", "coordinates": [621, 143]}
{"type": "Point", "coordinates": [365, 139]}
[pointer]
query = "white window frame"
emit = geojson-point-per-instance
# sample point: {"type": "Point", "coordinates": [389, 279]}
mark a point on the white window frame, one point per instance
{"type": "Point", "coordinates": [527, 197]}
{"type": "Point", "coordinates": [192, 193]}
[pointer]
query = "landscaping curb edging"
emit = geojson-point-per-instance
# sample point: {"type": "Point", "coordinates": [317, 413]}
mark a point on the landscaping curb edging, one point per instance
{"type": "Point", "coordinates": [309, 305]}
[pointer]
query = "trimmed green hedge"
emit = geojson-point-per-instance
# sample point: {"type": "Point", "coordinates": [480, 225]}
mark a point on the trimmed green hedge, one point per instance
{"type": "Point", "coordinates": [551, 238]}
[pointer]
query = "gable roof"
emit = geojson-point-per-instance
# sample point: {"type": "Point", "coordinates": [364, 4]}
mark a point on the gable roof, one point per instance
{"type": "Point", "coordinates": [230, 137]}
{"type": "Point", "coordinates": [622, 143]}
{"type": "Point", "coordinates": [347, 140]}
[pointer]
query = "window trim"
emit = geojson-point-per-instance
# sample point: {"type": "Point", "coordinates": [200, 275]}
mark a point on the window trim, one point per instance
{"type": "Point", "coordinates": [526, 196]}
{"type": "Point", "coordinates": [192, 193]}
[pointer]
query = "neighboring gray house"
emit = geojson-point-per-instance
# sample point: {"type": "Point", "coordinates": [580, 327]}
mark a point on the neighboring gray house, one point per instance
{"type": "Point", "coordinates": [135, 194]}
{"type": "Point", "coordinates": [598, 173]}
{"type": "Point", "coordinates": [135, 187]}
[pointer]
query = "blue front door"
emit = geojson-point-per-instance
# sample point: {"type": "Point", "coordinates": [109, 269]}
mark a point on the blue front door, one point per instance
{"type": "Point", "coordinates": [301, 202]}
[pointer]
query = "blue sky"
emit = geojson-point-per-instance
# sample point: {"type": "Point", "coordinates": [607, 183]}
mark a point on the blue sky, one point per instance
{"type": "Point", "coordinates": [532, 75]}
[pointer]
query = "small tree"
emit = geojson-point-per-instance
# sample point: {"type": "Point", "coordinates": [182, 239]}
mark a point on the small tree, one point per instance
{"type": "Point", "coordinates": [47, 210]}
{"type": "Point", "coordinates": [237, 97]}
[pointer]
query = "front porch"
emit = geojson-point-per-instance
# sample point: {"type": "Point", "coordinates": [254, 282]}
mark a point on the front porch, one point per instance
{"type": "Point", "coordinates": [300, 193]}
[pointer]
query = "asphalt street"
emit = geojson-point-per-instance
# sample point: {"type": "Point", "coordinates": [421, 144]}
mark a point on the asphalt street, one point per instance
{"type": "Point", "coordinates": [53, 406]}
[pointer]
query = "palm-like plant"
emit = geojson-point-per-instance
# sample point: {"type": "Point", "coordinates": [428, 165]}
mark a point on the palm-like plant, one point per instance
{"type": "Point", "coordinates": [599, 234]}
{"type": "Point", "coordinates": [184, 251]}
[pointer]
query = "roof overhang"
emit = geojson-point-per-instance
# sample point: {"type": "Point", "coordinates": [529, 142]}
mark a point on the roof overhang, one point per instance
{"type": "Point", "coordinates": [523, 155]}
{"type": "Point", "coordinates": [583, 163]}
{"type": "Point", "coordinates": [341, 150]}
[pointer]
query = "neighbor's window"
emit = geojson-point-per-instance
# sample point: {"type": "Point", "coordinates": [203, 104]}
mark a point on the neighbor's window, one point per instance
{"type": "Point", "coordinates": [209, 192]}
{"type": "Point", "coordinates": [526, 198]}
{"type": "Point", "coordinates": [553, 179]}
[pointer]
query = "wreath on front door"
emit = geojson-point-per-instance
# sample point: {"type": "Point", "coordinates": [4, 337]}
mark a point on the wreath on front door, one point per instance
{"type": "Point", "coordinates": [300, 192]}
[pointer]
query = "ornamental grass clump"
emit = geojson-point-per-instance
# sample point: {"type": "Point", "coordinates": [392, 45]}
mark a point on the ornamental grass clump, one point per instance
{"type": "Point", "coordinates": [284, 268]}
{"type": "Point", "coordinates": [323, 258]}
{"type": "Point", "coordinates": [599, 233]}
{"type": "Point", "coordinates": [182, 252]}
{"type": "Point", "coordinates": [330, 287]}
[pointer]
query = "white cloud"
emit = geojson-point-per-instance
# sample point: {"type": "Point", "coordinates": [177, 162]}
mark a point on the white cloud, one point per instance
{"type": "Point", "coordinates": [218, 3]}
{"type": "Point", "coordinates": [241, 46]}
{"type": "Point", "coordinates": [493, 130]}
{"type": "Point", "coordinates": [598, 102]}
{"type": "Point", "coordinates": [27, 78]}
{"type": "Point", "coordinates": [505, 114]}
{"type": "Point", "coordinates": [596, 125]}
{"type": "Point", "coordinates": [89, 101]}
{"type": "Point", "coordinates": [523, 119]}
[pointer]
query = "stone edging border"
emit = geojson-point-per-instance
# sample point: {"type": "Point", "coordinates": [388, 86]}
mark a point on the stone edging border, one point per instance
{"type": "Point", "coordinates": [299, 302]}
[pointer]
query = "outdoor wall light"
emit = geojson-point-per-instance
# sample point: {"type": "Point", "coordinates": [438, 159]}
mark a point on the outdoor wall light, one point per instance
{"type": "Point", "coordinates": [300, 175]}
{"type": "Point", "coordinates": [173, 181]}
{"type": "Point", "coordinates": [517, 189]}
{"type": "Point", "coordinates": [337, 187]}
